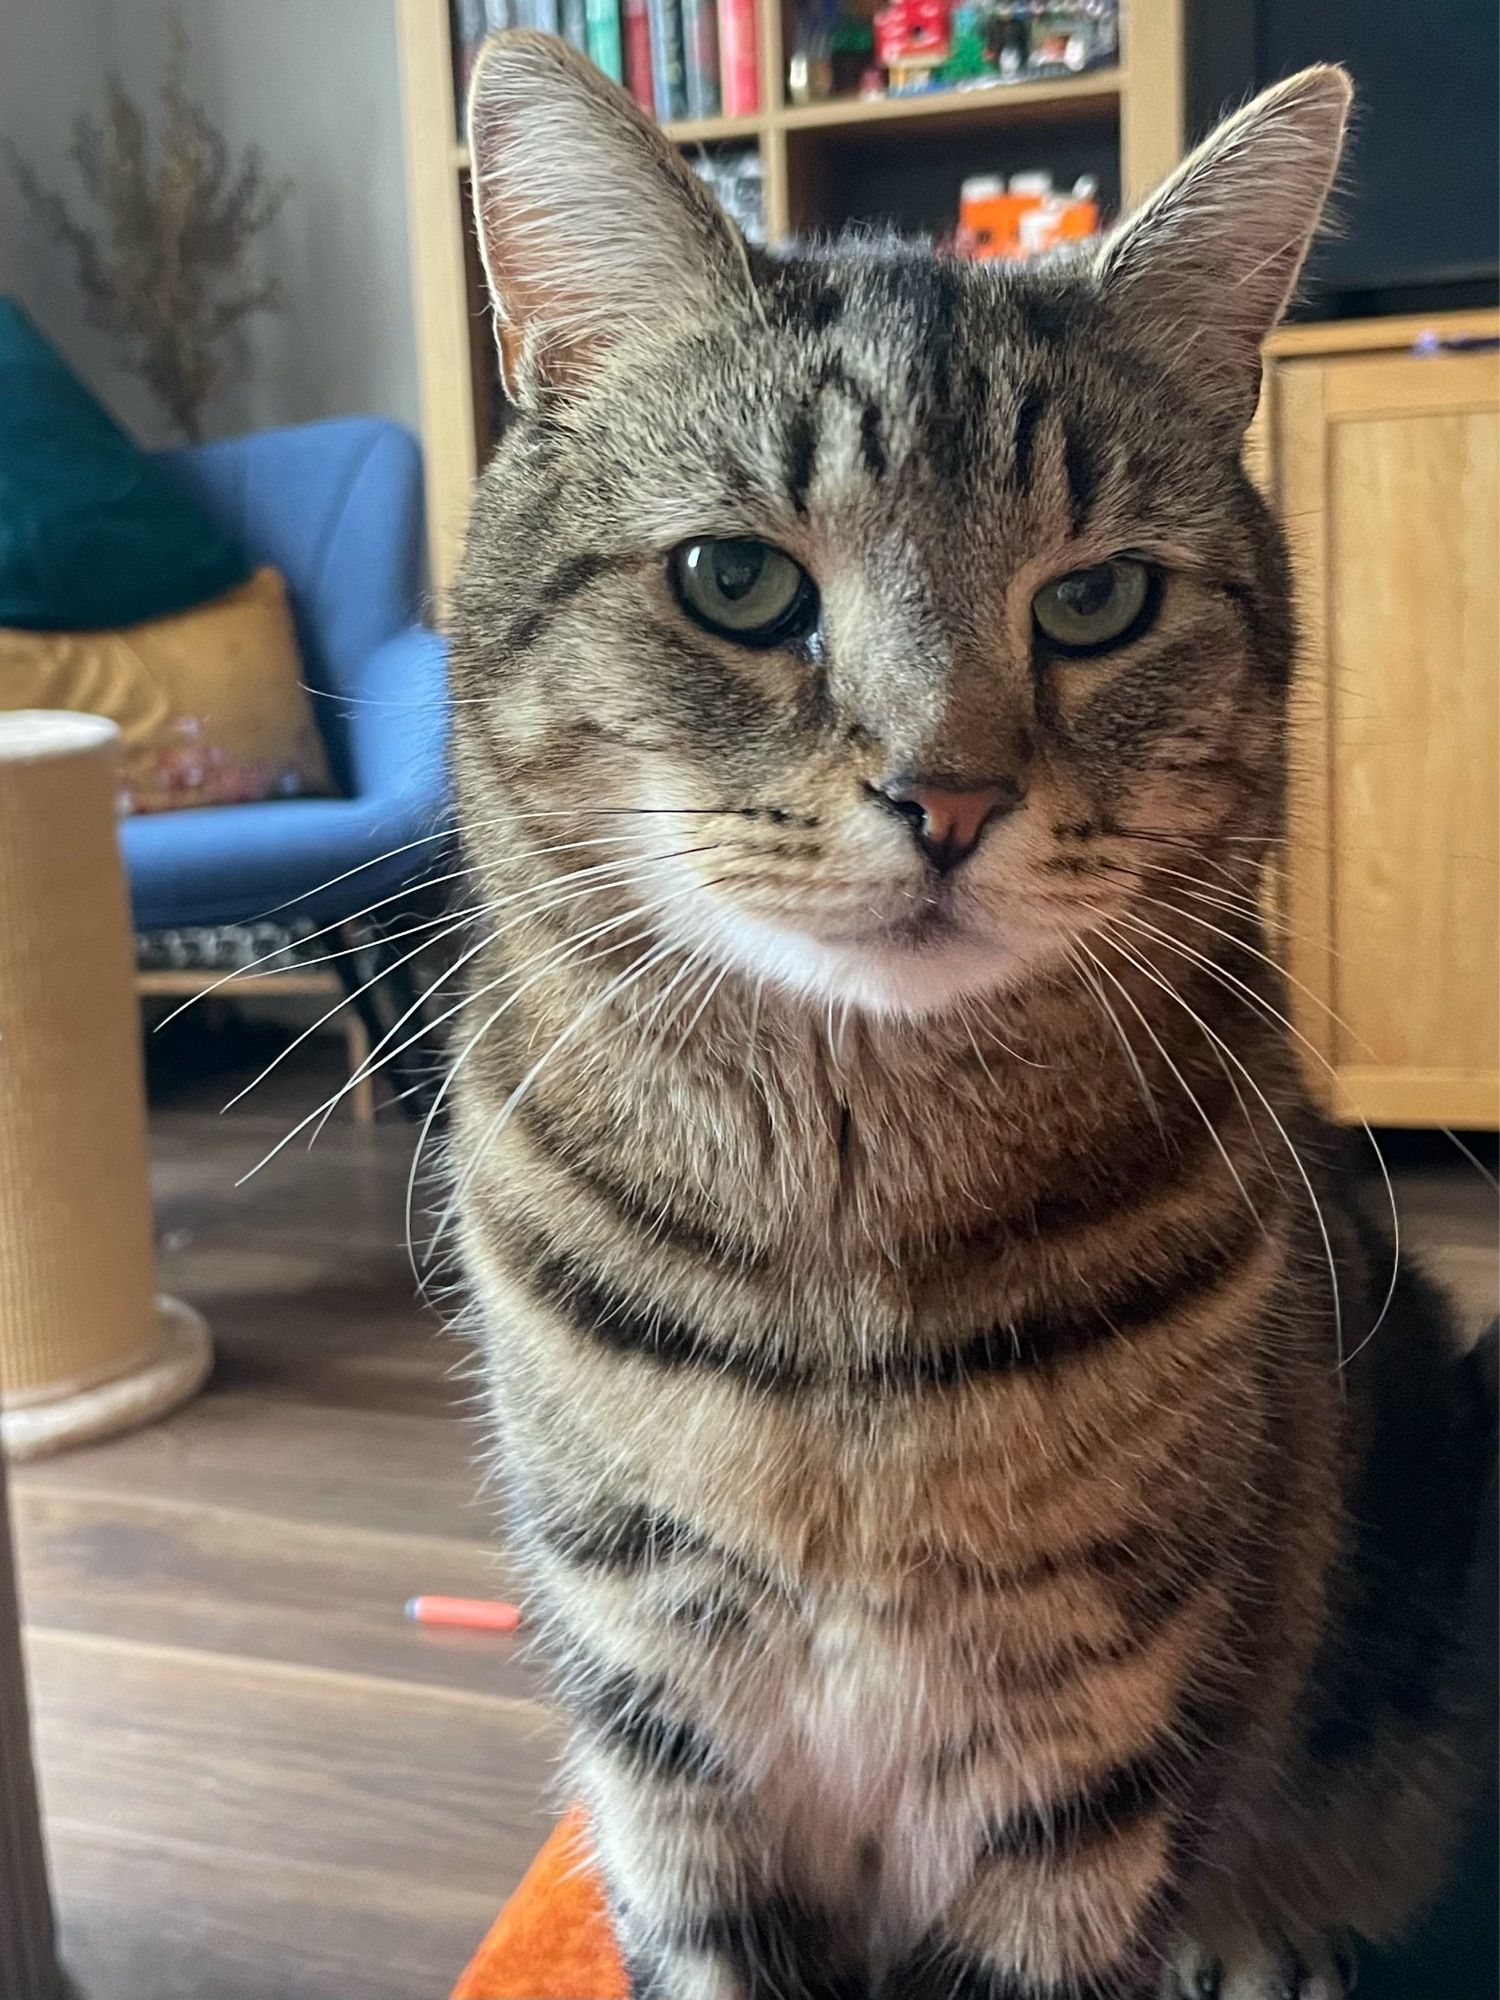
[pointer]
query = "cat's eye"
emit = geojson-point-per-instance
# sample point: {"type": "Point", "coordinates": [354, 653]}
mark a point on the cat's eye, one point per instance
{"type": "Point", "coordinates": [1090, 610]}
{"type": "Point", "coordinates": [745, 590]}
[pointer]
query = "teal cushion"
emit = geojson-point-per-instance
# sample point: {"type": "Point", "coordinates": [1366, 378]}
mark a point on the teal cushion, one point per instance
{"type": "Point", "coordinates": [92, 531]}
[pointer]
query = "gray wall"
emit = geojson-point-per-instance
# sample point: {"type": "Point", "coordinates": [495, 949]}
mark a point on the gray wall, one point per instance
{"type": "Point", "coordinates": [314, 83]}
{"type": "Point", "coordinates": [50, 55]}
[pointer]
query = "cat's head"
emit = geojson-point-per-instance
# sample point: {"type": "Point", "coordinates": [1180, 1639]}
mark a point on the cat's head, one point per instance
{"type": "Point", "coordinates": [885, 616]}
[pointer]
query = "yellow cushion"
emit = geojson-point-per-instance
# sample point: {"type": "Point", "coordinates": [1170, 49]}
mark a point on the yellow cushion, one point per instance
{"type": "Point", "coordinates": [210, 701]}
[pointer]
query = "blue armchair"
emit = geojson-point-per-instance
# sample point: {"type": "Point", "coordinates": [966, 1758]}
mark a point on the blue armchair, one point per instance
{"type": "Point", "coordinates": [337, 508]}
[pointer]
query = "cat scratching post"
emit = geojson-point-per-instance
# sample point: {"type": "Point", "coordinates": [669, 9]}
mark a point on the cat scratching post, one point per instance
{"type": "Point", "coordinates": [86, 1346]}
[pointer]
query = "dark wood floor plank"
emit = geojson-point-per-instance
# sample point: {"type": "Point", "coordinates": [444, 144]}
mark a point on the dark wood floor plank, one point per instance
{"type": "Point", "coordinates": [409, 1474]}
{"type": "Point", "coordinates": [440, 1789]}
{"type": "Point", "coordinates": [210, 1579]}
{"type": "Point", "coordinates": [305, 1276]}
{"type": "Point", "coordinates": [352, 1341]}
{"type": "Point", "coordinates": [160, 1920]}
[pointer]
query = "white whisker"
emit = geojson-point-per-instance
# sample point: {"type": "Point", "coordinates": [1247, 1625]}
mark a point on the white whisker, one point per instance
{"type": "Point", "coordinates": [242, 971]}
{"type": "Point", "coordinates": [550, 964]}
{"type": "Point", "coordinates": [556, 893]}
{"type": "Point", "coordinates": [339, 1005]}
{"type": "Point", "coordinates": [543, 901]}
{"type": "Point", "coordinates": [1147, 1094]}
{"type": "Point", "coordinates": [361, 868]}
{"type": "Point", "coordinates": [376, 1061]}
{"type": "Point", "coordinates": [1161, 1048]}
{"type": "Point", "coordinates": [1230, 981]}
{"type": "Point", "coordinates": [1271, 1112]}
{"type": "Point", "coordinates": [687, 1033]}
{"type": "Point", "coordinates": [364, 1070]}
{"type": "Point", "coordinates": [621, 983]}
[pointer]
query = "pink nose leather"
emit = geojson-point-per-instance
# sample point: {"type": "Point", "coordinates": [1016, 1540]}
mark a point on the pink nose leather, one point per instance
{"type": "Point", "coordinates": [947, 825]}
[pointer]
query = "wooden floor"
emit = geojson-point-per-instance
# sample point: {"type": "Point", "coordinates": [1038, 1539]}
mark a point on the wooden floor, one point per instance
{"type": "Point", "coordinates": [260, 1782]}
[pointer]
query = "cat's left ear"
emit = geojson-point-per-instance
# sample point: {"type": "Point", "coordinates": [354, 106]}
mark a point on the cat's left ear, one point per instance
{"type": "Point", "coordinates": [592, 230]}
{"type": "Point", "coordinates": [1203, 269]}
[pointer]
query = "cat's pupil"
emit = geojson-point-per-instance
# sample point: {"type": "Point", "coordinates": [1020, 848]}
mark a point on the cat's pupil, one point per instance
{"type": "Point", "coordinates": [1087, 592]}
{"type": "Point", "coordinates": [737, 567]}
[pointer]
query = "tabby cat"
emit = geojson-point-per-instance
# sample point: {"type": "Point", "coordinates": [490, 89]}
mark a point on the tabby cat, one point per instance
{"type": "Point", "coordinates": [998, 1537]}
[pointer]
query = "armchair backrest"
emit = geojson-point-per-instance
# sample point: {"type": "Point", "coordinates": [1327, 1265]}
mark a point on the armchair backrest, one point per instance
{"type": "Point", "coordinates": [337, 508]}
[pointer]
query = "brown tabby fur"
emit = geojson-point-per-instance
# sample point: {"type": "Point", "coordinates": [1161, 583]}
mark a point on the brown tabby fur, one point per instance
{"type": "Point", "coordinates": [915, 1359]}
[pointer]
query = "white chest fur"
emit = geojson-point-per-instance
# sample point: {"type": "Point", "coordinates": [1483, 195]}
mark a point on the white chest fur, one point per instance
{"type": "Point", "coordinates": [852, 1727]}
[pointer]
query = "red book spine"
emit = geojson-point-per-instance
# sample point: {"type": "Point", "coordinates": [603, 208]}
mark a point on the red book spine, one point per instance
{"type": "Point", "coordinates": [739, 58]}
{"type": "Point", "coordinates": [637, 24]}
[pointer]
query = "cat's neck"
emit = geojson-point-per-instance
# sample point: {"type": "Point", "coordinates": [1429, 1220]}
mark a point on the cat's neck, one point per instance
{"type": "Point", "coordinates": [814, 1118]}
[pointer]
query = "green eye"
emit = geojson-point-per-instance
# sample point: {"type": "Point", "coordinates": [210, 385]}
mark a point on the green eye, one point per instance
{"type": "Point", "coordinates": [1091, 610]}
{"type": "Point", "coordinates": [745, 590]}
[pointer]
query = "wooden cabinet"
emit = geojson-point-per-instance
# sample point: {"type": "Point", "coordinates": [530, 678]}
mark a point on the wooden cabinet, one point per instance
{"type": "Point", "coordinates": [1383, 462]}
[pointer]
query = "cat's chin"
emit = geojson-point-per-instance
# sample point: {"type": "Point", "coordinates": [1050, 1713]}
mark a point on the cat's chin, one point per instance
{"type": "Point", "coordinates": [900, 970]}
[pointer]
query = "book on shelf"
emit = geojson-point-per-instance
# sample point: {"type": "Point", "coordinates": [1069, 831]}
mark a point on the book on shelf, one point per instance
{"type": "Point", "coordinates": [736, 178]}
{"type": "Point", "coordinates": [469, 23]}
{"type": "Point", "coordinates": [739, 58]}
{"type": "Point", "coordinates": [668, 60]}
{"type": "Point", "coordinates": [604, 43]}
{"type": "Point", "coordinates": [574, 26]}
{"type": "Point", "coordinates": [545, 15]}
{"type": "Point", "coordinates": [700, 57]}
{"type": "Point", "coordinates": [635, 24]}
{"type": "Point", "coordinates": [469, 29]}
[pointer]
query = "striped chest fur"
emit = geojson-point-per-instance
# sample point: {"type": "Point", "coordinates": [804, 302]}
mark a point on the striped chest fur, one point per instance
{"type": "Point", "coordinates": [908, 1426]}
{"type": "Point", "coordinates": [914, 1292]}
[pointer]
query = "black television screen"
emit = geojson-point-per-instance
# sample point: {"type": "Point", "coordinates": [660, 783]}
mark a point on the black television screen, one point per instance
{"type": "Point", "coordinates": [1419, 213]}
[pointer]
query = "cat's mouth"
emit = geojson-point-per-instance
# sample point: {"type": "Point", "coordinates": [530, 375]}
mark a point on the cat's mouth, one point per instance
{"type": "Point", "coordinates": [910, 950]}
{"type": "Point", "coordinates": [933, 921]}
{"type": "Point", "coordinates": [913, 925]}
{"type": "Point", "coordinates": [921, 917]}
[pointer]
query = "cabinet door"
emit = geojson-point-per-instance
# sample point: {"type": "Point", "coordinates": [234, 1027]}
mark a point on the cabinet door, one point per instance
{"type": "Point", "coordinates": [1386, 481]}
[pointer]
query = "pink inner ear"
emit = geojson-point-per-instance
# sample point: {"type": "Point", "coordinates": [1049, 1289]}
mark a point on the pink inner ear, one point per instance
{"type": "Point", "coordinates": [536, 353]}
{"type": "Point", "coordinates": [591, 225]}
{"type": "Point", "coordinates": [536, 319]}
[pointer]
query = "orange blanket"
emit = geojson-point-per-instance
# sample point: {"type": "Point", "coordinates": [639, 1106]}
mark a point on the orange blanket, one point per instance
{"type": "Point", "coordinates": [553, 1939]}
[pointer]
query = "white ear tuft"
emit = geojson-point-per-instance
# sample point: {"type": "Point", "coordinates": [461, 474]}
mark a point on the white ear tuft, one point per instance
{"type": "Point", "coordinates": [1204, 268]}
{"type": "Point", "coordinates": [590, 226]}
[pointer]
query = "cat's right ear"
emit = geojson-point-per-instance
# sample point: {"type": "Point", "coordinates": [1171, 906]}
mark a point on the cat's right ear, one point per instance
{"type": "Point", "coordinates": [1204, 268]}
{"type": "Point", "coordinates": [592, 229]}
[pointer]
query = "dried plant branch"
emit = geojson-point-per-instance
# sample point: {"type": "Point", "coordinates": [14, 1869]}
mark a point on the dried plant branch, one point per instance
{"type": "Point", "coordinates": [163, 272]}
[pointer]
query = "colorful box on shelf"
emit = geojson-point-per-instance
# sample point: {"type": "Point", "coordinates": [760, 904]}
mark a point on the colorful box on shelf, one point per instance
{"type": "Point", "coordinates": [1025, 218]}
{"type": "Point", "coordinates": [929, 45]}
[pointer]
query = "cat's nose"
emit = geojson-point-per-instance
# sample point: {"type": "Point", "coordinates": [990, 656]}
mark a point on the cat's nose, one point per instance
{"type": "Point", "coordinates": [947, 824]}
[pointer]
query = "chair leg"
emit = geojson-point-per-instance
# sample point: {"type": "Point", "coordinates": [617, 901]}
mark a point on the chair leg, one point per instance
{"type": "Point", "coordinates": [357, 1044]}
{"type": "Point", "coordinates": [362, 1017]}
{"type": "Point", "coordinates": [392, 997]}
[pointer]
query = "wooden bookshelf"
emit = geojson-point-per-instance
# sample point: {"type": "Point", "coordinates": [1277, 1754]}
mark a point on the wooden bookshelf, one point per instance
{"type": "Point", "coordinates": [891, 158]}
{"type": "Point", "coordinates": [1061, 100]}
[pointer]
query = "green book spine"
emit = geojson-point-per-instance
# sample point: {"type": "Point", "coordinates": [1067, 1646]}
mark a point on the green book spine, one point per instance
{"type": "Point", "coordinates": [605, 47]}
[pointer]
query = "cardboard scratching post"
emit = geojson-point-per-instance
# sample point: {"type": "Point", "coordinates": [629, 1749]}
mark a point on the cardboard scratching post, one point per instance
{"type": "Point", "coordinates": [86, 1346]}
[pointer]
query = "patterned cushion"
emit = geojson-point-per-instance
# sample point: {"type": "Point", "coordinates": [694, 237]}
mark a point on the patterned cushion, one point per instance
{"type": "Point", "coordinates": [210, 701]}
